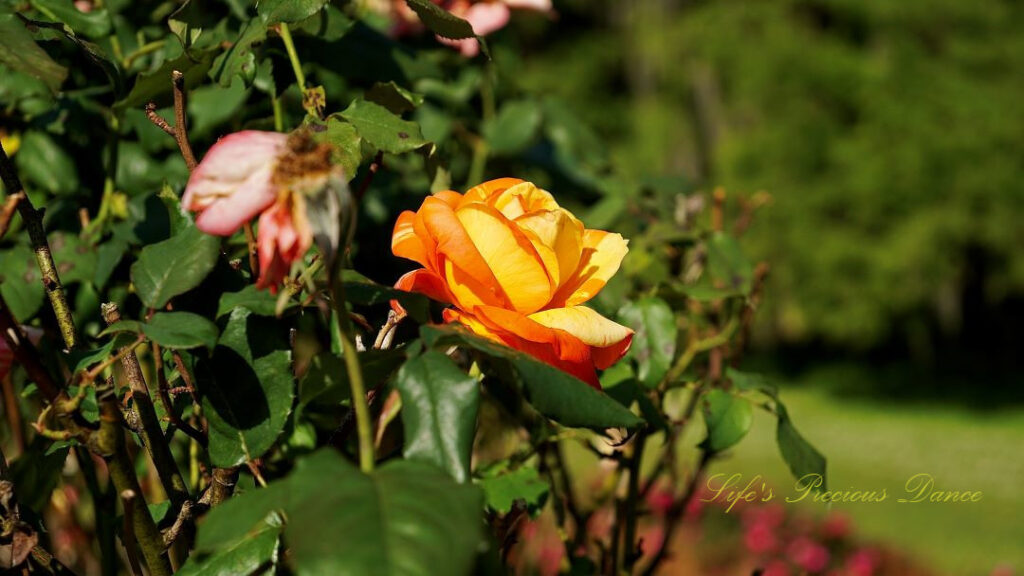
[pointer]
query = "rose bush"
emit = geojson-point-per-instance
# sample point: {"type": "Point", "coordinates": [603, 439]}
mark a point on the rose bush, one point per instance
{"type": "Point", "coordinates": [517, 268]}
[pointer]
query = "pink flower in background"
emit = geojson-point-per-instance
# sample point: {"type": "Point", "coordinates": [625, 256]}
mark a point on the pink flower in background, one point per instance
{"type": "Point", "coordinates": [485, 16]}
{"type": "Point", "coordinates": [808, 554]}
{"type": "Point", "coordinates": [776, 568]}
{"type": "Point", "coordinates": [863, 562]}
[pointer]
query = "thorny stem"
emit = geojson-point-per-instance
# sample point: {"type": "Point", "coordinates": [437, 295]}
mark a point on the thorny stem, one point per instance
{"type": "Point", "coordinates": [159, 451]}
{"type": "Point", "coordinates": [44, 256]}
{"type": "Point", "coordinates": [165, 397]}
{"type": "Point", "coordinates": [696, 347]}
{"type": "Point", "coordinates": [355, 377]}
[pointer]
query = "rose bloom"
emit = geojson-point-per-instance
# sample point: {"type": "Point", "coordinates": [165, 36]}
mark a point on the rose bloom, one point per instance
{"type": "Point", "coordinates": [252, 173]}
{"type": "Point", "coordinates": [517, 268]}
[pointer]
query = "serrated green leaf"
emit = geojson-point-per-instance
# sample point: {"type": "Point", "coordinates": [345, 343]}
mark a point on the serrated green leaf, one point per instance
{"type": "Point", "coordinates": [382, 129]}
{"type": "Point", "coordinates": [277, 11]}
{"type": "Point", "coordinates": [800, 456]}
{"type": "Point", "coordinates": [393, 97]}
{"type": "Point", "coordinates": [247, 388]}
{"type": "Point", "coordinates": [180, 330]}
{"type": "Point", "coordinates": [728, 419]}
{"type": "Point", "coordinates": [523, 484]}
{"type": "Point", "coordinates": [239, 60]}
{"type": "Point", "coordinates": [259, 550]}
{"type": "Point", "coordinates": [654, 343]}
{"type": "Point", "coordinates": [439, 406]}
{"type": "Point", "coordinates": [346, 142]}
{"type": "Point", "coordinates": [440, 21]}
{"type": "Point", "coordinates": [174, 266]}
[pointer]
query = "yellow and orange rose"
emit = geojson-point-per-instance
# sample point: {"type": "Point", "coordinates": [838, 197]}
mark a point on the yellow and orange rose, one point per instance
{"type": "Point", "coordinates": [517, 267]}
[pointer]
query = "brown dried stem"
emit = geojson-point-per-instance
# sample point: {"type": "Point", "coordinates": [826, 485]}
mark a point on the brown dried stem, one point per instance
{"type": "Point", "coordinates": [152, 437]}
{"type": "Point", "coordinates": [180, 128]}
{"type": "Point", "coordinates": [163, 391]}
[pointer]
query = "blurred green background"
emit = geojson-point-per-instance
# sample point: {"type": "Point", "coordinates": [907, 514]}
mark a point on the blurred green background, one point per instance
{"type": "Point", "coordinates": [889, 136]}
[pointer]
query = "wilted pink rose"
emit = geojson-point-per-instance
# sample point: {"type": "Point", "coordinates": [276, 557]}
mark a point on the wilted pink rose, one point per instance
{"type": "Point", "coordinates": [267, 174]}
{"type": "Point", "coordinates": [234, 182]}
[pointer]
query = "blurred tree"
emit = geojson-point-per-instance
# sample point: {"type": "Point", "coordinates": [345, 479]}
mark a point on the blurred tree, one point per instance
{"type": "Point", "coordinates": [885, 131]}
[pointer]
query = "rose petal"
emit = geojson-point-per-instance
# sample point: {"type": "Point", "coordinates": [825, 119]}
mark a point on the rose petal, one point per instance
{"type": "Point", "coordinates": [602, 254]}
{"type": "Point", "coordinates": [609, 340]}
{"type": "Point", "coordinates": [510, 256]}
{"type": "Point", "coordinates": [233, 183]}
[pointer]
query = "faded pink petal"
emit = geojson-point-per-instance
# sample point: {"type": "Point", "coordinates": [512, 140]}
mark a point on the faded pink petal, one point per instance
{"type": "Point", "coordinates": [233, 183]}
{"type": "Point", "coordinates": [280, 241]}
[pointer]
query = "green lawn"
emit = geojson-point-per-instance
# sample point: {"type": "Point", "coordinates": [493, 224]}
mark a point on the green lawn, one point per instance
{"type": "Point", "coordinates": [873, 444]}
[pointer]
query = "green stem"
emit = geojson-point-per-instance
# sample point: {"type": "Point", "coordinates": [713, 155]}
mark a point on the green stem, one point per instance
{"type": "Point", "coordinates": [44, 257]}
{"type": "Point", "coordinates": [142, 51]}
{"type": "Point", "coordinates": [275, 103]}
{"type": "Point", "coordinates": [293, 56]}
{"type": "Point", "coordinates": [355, 377]}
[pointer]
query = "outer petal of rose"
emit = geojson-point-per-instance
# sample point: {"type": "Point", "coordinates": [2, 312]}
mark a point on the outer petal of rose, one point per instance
{"type": "Point", "coordinates": [552, 346]}
{"type": "Point", "coordinates": [233, 183]}
{"type": "Point", "coordinates": [404, 241]}
{"type": "Point", "coordinates": [467, 273]}
{"type": "Point", "coordinates": [427, 283]}
{"type": "Point", "coordinates": [558, 237]}
{"type": "Point", "coordinates": [609, 341]}
{"type": "Point", "coordinates": [481, 192]}
{"type": "Point", "coordinates": [510, 256]}
{"type": "Point", "coordinates": [602, 254]}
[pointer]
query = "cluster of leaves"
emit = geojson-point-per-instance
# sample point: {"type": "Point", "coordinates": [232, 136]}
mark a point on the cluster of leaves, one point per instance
{"type": "Point", "coordinates": [258, 382]}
